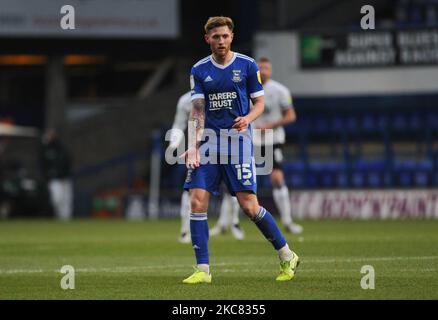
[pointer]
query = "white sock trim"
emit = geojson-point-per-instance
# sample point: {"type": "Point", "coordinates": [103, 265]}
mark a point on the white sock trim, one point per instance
{"type": "Point", "coordinates": [204, 268]}
{"type": "Point", "coordinates": [282, 200]}
{"type": "Point", "coordinates": [235, 211]}
{"type": "Point", "coordinates": [185, 212]}
{"type": "Point", "coordinates": [285, 254]}
{"type": "Point", "coordinates": [198, 216]}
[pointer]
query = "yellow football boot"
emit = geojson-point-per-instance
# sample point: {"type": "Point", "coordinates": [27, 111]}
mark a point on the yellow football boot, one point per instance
{"type": "Point", "coordinates": [198, 277]}
{"type": "Point", "coordinates": [288, 269]}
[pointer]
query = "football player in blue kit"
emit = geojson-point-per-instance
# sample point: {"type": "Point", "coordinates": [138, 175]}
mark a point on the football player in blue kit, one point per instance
{"type": "Point", "coordinates": [222, 87]}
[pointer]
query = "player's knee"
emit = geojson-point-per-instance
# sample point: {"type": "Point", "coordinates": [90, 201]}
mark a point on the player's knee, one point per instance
{"type": "Point", "coordinates": [197, 204]}
{"type": "Point", "coordinates": [250, 209]}
{"type": "Point", "coordinates": [276, 183]}
{"type": "Point", "coordinates": [277, 179]}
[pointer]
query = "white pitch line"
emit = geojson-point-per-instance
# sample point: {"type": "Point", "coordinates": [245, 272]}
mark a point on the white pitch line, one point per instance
{"type": "Point", "coordinates": [12, 271]}
{"type": "Point", "coordinates": [331, 260]}
{"type": "Point", "coordinates": [301, 270]}
{"type": "Point", "coordinates": [145, 268]}
{"type": "Point", "coordinates": [139, 269]}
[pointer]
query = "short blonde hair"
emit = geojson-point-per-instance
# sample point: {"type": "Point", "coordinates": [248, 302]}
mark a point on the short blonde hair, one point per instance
{"type": "Point", "coordinates": [214, 22]}
{"type": "Point", "coordinates": [263, 60]}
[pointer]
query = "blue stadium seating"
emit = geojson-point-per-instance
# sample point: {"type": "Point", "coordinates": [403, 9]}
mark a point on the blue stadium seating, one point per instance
{"type": "Point", "coordinates": [414, 173]}
{"type": "Point", "coordinates": [295, 174]}
{"type": "Point", "coordinates": [347, 124]}
{"type": "Point", "coordinates": [384, 126]}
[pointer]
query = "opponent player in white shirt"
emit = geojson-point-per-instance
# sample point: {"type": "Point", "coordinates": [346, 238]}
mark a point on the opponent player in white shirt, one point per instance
{"type": "Point", "coordinates": [183, 109]}
{"type": "Point", "coordinates": [279, 111]}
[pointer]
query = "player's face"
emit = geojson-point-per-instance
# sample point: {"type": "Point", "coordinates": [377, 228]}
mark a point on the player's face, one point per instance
{"type": "Point", "coordinates": [220, 40]}
{"type": "Point", "coordinates": [265, 71]}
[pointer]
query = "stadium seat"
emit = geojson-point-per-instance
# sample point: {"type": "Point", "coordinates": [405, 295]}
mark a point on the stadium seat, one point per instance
{"type": "Point", "coordinates": [423, 173]}
{"type": "Point", "coordinates": [320, 125]}
{"type": "Point", "coordinates": [294, 172]}
{"type": "Point", "coordinates": [400, 122]}
{"type": "Point", "coordinates": [432, 120]}
{"type": "Point", "coordinates": [352, 123]}
{"type": "Point", "coordinates": [415, 122]}
{"type": "Point", "coordinates": [327, 174]}
{"type": "Point", "coordinates": [368, 173]}
{"type": "Point", "coordinates": [369, 123]}
{"type": "Point", "coordinates": [383, 121]}
{"type": "Point", "coordinates": [413, 173]}
{"type": "Point", "coordinates": [338, 124]}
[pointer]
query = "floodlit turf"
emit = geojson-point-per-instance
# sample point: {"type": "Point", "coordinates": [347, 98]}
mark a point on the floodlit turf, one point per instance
{"type": "Point", "coordinates": [143, 260]}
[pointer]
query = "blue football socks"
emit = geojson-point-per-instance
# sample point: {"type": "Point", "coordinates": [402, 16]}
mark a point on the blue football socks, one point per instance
{"type": "Point", "coordinates": [199, 233]}
{"type": "Point", "coordinates": [267, 225]}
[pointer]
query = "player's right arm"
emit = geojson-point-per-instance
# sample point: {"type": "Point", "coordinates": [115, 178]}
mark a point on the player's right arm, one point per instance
{"type": "Point", "coordinates": [196, 122]}
{"type": "Point", "coordinates": [195, 129]}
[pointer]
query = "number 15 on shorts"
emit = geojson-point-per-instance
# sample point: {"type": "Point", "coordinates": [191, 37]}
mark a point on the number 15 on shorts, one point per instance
{"type": "Point", "coordinates": [243, 171]}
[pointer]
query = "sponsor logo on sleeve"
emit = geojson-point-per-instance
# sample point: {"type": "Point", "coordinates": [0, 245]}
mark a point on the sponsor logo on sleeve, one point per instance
{"type": "Point", "coordinates": [259, 78]}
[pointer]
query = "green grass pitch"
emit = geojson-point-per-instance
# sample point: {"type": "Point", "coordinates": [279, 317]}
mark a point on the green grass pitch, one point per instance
{"type": "Point", "coordinates": [143, 260]}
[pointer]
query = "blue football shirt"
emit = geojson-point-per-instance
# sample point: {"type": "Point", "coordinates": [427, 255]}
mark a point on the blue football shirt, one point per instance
{"type": "Point", "coordinates": [227, 90]}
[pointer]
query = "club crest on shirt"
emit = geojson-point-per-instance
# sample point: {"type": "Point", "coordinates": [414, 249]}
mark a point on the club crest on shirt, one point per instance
{"type": "Point", "coordinates": [236, 76]}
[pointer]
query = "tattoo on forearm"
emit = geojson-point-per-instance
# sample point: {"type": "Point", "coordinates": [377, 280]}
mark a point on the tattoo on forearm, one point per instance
{"type": "Point", "coordinates": [196, 122]}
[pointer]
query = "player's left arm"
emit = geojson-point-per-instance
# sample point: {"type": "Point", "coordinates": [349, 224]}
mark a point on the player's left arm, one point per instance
{"type": "Point", "coordinates": [242, 123]}
{"type": "Point", "coordinates": [256, 93]}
